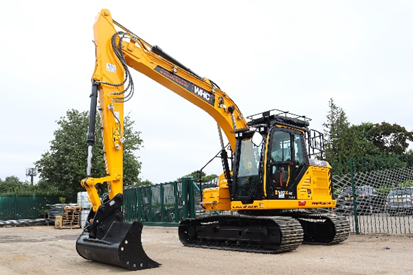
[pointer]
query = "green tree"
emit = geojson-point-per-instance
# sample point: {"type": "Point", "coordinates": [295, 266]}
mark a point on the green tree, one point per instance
{"type": "Point", "coordinates": [204, 176]}
{"type": "Point", "coordinates": [64, 165]}
{"type": "Point", "coordinates": [10, 185]}
{"type": "Point", "coordinates": [362, 144]}
{"type": "Point", "coordinates": [131, 164]}
{"type": "Point", "coordinates": [145, 182]}
{"type": "Point", "coordinates": [390, 138]}
{"type": "Point", "coordinates": [337, 134]}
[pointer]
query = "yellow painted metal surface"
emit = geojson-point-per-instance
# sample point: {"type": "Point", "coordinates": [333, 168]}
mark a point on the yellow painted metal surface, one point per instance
{"type": "Point", "coordinates": [138, 55]}
{"type": "Point", "coordinates": [313, 191]}
{"type": "Point", "coordinates": [218, 198]}
{"type": "Point", "coordinates": [283, 204]}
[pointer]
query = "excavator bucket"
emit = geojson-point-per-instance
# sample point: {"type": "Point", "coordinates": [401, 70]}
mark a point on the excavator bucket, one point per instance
{"type": "Point", "coordinates": [112, 241]}
{"type": "Point", "coordinates": [121, 246]}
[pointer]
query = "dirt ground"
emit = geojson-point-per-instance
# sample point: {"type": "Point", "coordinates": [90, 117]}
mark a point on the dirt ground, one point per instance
{"type": "Point", "coordinates": [45, 250]}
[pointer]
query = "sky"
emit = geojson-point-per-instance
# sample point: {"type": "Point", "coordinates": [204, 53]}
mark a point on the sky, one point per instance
{"type": "Point", "coordinates": [288, 55]}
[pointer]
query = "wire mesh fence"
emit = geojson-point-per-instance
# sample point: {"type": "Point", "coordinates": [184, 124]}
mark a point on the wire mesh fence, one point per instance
{"type": "Point", "coordinates": [375, 193]}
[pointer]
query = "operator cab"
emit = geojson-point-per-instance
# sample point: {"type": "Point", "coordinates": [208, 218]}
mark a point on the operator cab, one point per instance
{"type": "Point", "coordinates": [272, 158]}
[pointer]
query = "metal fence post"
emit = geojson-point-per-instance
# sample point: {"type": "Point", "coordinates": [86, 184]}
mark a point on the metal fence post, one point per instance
{"type": "Point", "coordinates": [126, 204]}
{"type": "Point", "coordinates": [139, 202]}
{"type": "Point", "coordinates": [185, 198]}
{"type": "Point", "coordinates": [191, 198]}
{"type": "Point", "coordinates": [162, 195]}
{"type": "Point", "coordinates": [150, 203]}
{"type": "Point", "coordinates": [15, 206]}
{"type": "Point", "coordinates": [188, 198]}
{"type": "Point", "coordinates": [135, 203]}
{"type": "Point", "coordinates": [354, 196]}
{"type": "Point", "coordinates": [177, 217]}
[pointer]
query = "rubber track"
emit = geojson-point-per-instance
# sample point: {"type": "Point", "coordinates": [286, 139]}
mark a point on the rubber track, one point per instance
{"type": "Point", "coordinates": [340, 223]}
{"type": "Point", "coordinates": [290, 230]}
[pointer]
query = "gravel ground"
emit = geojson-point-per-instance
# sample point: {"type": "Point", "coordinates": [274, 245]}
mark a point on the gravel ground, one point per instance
{"type": "Point", "coordinates": [45, 250]}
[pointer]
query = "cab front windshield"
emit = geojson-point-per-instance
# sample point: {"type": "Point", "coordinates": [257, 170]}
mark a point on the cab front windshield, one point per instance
{"type": "Point", "coordinates": [248, 168]}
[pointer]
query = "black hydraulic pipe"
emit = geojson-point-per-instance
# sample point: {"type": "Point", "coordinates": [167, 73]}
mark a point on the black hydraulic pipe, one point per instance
{"type": "Point", "coordinates": [157, 50]}
{"type": "Point", "coordinates": [92, 114]}
{"type": "Point", "coordinates": [225, 165]}
{"type": "Point", "coordinates": [92, 122]}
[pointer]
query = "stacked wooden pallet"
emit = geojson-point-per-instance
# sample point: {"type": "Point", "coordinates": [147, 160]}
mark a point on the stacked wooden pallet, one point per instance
{"type": "Point", "coordinates": [70, 218]}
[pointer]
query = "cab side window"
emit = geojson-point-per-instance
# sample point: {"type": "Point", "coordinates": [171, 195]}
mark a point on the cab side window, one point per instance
{"type": "Point", "coordinates": [281, 147]}
{"type": "Point", "coordinates": [298, 149]}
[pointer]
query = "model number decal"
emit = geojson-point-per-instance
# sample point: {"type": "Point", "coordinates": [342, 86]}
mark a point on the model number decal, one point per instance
{"type": "Point", "coordinates": [246, 207]}
{"type": "Point", "coordinates": [284, 194]}
{"type": "Point", "coordinates": [110, 68]}
{"type": "Point", "coordinates": [189, 86]}
{"type": "Point", "coordinates": [321, 203]}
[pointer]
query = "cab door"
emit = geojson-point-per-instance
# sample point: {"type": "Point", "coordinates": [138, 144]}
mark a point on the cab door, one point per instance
{"type": "Point", "coordinates": [286, 162]}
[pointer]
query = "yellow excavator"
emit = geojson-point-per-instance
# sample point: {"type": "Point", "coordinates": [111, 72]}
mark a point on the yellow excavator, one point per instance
{"type": "Point", "coordinates": [275, 181]}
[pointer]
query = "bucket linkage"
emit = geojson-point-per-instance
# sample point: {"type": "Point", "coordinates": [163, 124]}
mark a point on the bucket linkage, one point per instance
{"type": "Point", "coordinates": [109, 240]}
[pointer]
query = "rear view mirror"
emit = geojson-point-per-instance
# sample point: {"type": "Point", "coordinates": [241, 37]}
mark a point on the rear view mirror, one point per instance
{"type": "Point", "coordinates": [256, 139]}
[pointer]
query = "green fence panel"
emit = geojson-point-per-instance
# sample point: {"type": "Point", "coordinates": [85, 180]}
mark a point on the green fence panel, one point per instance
{"type": "Point", "coordinates": [163, 204]}
{"type": "Point", "coordinates": [27, 207]}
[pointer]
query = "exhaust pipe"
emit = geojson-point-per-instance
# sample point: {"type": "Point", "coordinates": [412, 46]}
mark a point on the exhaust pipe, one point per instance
{"type": "Point", "coordinates": [107, 239]}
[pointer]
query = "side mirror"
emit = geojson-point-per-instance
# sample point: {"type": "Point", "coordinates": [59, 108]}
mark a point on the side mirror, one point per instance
{"type": "Point", "coordinates": [257, 139]}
